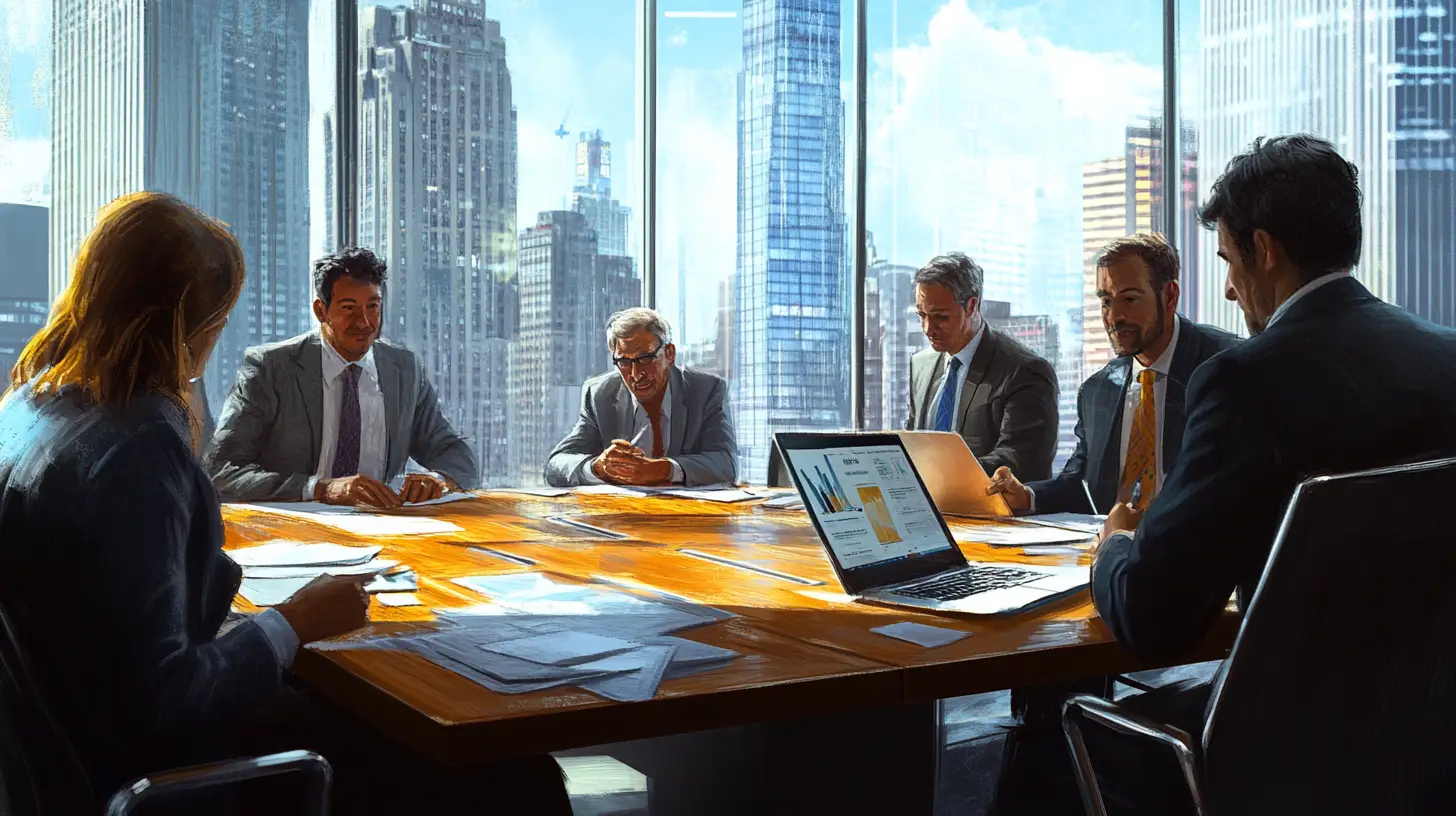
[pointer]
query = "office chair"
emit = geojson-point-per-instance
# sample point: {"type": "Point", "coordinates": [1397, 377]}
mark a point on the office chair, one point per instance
{"type": "Point", "coordinates": [41, 775]}
{"type": "Point", "coordinates": [1340, 693]}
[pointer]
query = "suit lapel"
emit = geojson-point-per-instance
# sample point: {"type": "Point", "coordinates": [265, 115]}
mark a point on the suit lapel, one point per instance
{"type": "Point", "coordinates": [679, 420]}
{"type": "Point", "coordinates": [1111, 398]}
{"type": "Point", "coordinates": [930, 373]}
{"type": "Point", "coordinates": [309, 376]}
{"type": "Point", "coordinates": [625, 413]}
{"type": "Point", "coordinates": [975, 377]}
{"type": "Point", "coordinates": [1175, 415]}
{"type": "Point", "coordinates": [390, 388]}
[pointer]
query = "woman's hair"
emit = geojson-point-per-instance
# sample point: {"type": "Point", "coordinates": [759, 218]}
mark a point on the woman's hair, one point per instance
{"type": "Point", "coordinates": [154, 280]}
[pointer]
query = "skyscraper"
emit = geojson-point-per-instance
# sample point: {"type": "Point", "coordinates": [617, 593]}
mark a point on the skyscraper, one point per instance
{"type": "Point", "coordinates": [791, 342]}
{"type": "Point", "coordinates": [1377, 78]}
{"type": "Point", "coordinates": [898, 331]}
{"type": "Point", "coordinates": [567, 291]}
{"type": "Point", "coordinates": [591, 195]}
{"type": "Point", "coordinates": [437, 201]}
{"type": "Point", "coordinates": [24, 299]}
{"type": "Point", "coordinates": [216, 111]}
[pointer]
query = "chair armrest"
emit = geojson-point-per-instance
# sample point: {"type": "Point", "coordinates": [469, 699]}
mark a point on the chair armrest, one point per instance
{"type": "Point", "coordinates": [195, 777]}
{"type": "Point", "coordinates": [1126, 721]}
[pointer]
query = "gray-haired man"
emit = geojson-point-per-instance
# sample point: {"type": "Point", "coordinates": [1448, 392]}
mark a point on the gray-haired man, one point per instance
{"type": "Point", "coordinates": [648, 422]}
{"type": "Point", "coordinates": [993, 391]}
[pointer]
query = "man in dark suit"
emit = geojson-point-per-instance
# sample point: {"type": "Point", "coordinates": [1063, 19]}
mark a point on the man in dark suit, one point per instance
{"type": "Point", "coordinates": [973, 380]}
{"type": "Point", "coordinates": [1333, 380]}
{"type": "Point", "coordinates": [334, 415]}
{"type": "Point", "coordinates": [1130, 414]}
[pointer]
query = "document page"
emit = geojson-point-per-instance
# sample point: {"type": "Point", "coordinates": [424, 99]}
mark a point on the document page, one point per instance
{"type": "Point", "coordinates": [869, 503]}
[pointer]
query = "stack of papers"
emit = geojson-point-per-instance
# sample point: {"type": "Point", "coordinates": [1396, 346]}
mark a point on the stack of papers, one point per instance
{"type": "Point", "coordinates": [1081, 522]}
{"type": "Point", "coordinates": [274, 571]}
{"type": "Point", "coordinates": [1017, 535]}
{"type": "Point", "coordinates": [792, 501]}
{"type": "Point", "coordinates": [538, 634]}
{"type": "Point", "coordinates": [723, 493]}
{"type": "Point", "coordinates": [363, 523]}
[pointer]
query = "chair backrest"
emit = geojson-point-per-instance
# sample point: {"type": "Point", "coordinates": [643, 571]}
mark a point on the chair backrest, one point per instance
{"type": "Point", "coordinates": [1340, 693]}
{"type": "Point", "coordinates": [39, 771]}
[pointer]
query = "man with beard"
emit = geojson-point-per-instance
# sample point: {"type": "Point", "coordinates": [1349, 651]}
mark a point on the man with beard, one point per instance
{"type": "Point", "coordinates": [1130, 414]}
{"type": "Point", "coordinates": [975, 381]}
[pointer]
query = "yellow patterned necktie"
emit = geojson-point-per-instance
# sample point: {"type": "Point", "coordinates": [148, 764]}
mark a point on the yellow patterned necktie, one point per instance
{"type": "Point", "coordinates": [1141, 464]}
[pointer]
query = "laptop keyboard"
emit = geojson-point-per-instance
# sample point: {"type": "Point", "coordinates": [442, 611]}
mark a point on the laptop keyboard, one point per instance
{"type": "Point", "coordinates": [968, 582]}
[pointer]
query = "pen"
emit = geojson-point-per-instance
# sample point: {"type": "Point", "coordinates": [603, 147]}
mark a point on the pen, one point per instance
{"type": "Point", "coordinates": [1092, 503]}
{"type": "Point", "coordinates": [1137, 494]}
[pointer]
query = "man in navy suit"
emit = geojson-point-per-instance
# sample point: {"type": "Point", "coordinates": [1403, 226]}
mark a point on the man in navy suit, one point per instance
{"type": "Point", "coordinates": [1130, 414]}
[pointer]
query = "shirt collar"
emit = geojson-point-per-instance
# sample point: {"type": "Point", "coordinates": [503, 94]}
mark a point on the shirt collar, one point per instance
{"type": "Point", "coordinates": [1304, 290]}
{"type": "Point", "coordinates": [968, 353]}
{"type": "Point", "coordinates": [666, 401]}
{"type": "Point", "coordinates": [334, 363]}
{"type": "Point", "coordinates": [1164, 363]}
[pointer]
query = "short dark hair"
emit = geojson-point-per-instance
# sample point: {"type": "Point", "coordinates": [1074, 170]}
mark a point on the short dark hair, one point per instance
{"type": "Point", "coordinates": [956, 272]}
{"type": "Point", "coordinates": [1154, 250]}
{"type": "Point", "coordinates": [1302, 192]}
{"type": "Point", "coordinates": [351, 262]}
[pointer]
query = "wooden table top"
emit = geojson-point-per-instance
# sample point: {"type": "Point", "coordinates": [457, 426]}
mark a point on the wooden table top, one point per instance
{"type": "Point", "coordinates": [806, 649]}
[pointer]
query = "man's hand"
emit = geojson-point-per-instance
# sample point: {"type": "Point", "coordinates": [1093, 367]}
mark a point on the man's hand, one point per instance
{"type": "Point", "coordinates": [327, 606]}
{"type": "Point", "coordinates": [1018, 498]}
{"type": "Point", "coordinates": [355, 490]}
{"type": "Point", "coordinates": [623, 463]}
{"type": "Point", "coordinates": [1124, 518]}
{"type": "Point", "coordinates": [420, 487]}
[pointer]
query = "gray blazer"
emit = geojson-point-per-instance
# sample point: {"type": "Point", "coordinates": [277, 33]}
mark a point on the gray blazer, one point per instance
{"type": "Point", "coordinates": [702, 440]}
{"type": "Point", "coordinates": [271, 430]}
{"type": "Point", "coordinates": [1008, 407]}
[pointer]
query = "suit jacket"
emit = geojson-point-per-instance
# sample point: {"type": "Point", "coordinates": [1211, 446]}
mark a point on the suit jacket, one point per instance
{"type": "Point", "coordinates": [1341, 382]}
{"type": "Point", "coordinates": [113, 503]}
{"type": "Point", "coordinates": [1008, 407]}
{"type": "Point", "coordinates": [271, 430]}
{"type": "Point", "coordinates": [1099, 424]}
{"type": "Point", "coordinates": [702, 440]}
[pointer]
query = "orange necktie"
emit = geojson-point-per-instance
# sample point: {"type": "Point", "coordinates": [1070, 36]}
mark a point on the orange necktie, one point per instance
{"type": "Point", "coordinates": [1142, 444]}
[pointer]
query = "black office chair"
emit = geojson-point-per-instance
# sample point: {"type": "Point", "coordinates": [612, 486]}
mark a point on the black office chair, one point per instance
{"type": "Point", "coordinates": [41, 775]}
{"type": "Point", "coordinates": [1340, 693]}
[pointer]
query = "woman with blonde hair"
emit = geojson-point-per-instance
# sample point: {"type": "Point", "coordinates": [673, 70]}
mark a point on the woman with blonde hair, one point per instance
{"type": "Point", "coordinates": [112, 574]}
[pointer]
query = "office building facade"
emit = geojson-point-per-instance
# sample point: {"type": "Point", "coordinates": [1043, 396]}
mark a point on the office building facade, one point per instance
{"type": "Point", "coordinates": [24, 288]}
{"type": "Point", "coordinates": [437, 201]}
{"type": "Point", "coordinates": [591, 195]}
{"type": "Point", "coordinates": [791, 339]}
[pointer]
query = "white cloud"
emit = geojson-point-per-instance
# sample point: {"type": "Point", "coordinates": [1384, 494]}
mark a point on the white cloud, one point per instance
{"type": "Point", "coordinates": [679, 39]}
{"type": "Point", "coordinates": [25, 170]}
{"type": "Point", "coordinates": [27, 24]}
{"type": "Point", "coordinates": [978, 132]}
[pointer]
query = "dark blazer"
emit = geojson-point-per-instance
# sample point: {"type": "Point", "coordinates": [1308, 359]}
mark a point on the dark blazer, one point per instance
{"type": "Point", "coordinates": [1341, 382]}
{"type": "Point", "coordinates": [1008, 406]}
{"type": "Point", "coordinates": [112, 572]}
{"type": "Point", "coordinates": [702, 440]}
{"type": "Point", "coordinates": [1099, 424]}
{"type": "Point", "coordinates": [271, 430]}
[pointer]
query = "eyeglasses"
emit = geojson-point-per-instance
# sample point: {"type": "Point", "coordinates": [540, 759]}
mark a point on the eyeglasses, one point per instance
{"type": "Point", "coordinates": [626, 363]}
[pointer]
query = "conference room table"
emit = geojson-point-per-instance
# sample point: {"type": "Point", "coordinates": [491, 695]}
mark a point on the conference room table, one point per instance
{"type": "Point", "coordinates": [805, 649]}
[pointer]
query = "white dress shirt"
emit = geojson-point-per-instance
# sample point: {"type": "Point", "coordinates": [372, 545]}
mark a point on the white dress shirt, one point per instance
{"type": "Point", "coordinates": [373, 435]}
{"type": "Point", "coordinates": [1304, 290]}
{"type": "Point", "coordinates": [642, 437]}
{"type": "Point", "coordinates": [1160, 367]}
{"type": "Point", "coordinates": [965, 355]}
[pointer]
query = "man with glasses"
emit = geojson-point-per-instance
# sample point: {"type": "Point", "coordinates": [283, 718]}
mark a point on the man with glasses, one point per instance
{"type": "Point", "coordinates": [649, 422]}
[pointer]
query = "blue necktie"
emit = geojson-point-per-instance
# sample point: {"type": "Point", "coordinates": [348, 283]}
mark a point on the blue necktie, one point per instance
{"type": "Point", "coordinates": [945, 408]}
{"type": "Point", "coordinates": [346, 453]}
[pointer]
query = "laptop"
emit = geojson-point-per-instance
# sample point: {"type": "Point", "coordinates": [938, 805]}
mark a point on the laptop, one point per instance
{"type": "Point", "coordinates": [886, 539]}
{"type": "Point", "coordinates": [953, 475]}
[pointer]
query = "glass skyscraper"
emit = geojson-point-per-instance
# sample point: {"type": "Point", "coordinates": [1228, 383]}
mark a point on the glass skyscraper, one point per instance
{"type": "Point", "coordinates": [791, 335]}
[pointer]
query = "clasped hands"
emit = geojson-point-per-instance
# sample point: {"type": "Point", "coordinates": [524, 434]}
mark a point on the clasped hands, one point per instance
{"type": "Point", "coordinates": [364, 491]}
{"type": "Point", "coordinates": [625, 463]}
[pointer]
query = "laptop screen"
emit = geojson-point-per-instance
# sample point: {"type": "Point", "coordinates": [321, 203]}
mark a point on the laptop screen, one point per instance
{"type": "Point", "coordinates": [868, 503]}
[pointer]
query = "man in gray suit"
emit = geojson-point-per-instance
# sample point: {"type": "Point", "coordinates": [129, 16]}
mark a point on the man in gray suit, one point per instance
{"type": "Point", "coordinates": [648, 422]}
{"type": "Point", "coordinates": [334, 415]}
{"type": "Point", "coordinates": [973, 380]}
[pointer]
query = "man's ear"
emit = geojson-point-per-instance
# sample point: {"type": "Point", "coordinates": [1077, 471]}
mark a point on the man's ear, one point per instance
{"type": "Point", "coordinates": [320, 311]}
{"type": "Point", "coordinates": [670, 353]}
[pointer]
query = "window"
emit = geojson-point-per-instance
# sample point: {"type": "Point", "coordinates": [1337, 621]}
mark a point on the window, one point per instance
{"type": "Point", "coordinates": [972, 112]}
{"type": "Point", "coordinates": [752, 261]}
{"type": "Point", "coordinates": [550, 227]}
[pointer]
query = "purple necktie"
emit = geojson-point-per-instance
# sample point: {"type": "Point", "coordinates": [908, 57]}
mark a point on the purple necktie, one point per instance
{"type": "Point", "coordinates": [346, 452]}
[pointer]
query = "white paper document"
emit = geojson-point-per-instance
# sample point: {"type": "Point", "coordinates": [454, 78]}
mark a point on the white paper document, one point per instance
{"type": "Point", "coordinates": [298, 554]}
{"type": "Point", "coordinates": [544, 492]}
{"type": "Point", "coordinates": [369, 568]}
{"type": "Point", "coordinates": [398, 598]}
{"type": "Point", "coordinates": [722, 496]}
{"type": "Point", "coordinates": [918, 633]}
{"type": "Point", "coordinates": [791, 501]}
{"type": "Point", "coordinates": [271, 591]}
{"type": "Point", "coordinates": [1083, 522]}
{"type": "Point", "coordinates": [404, 581]}
{"type": "Point", "coordinates": [1016, 535]}
{"type": "Point", "coordinates": [562, 648]}
{"type": "Point", "coordinates": [445, 499]}
{"type": "Point", "coordinates": [636, 674]}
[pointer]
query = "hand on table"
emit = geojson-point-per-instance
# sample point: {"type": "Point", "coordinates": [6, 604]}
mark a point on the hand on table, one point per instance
{"type": "Point", "coordinates": [1123, 518]}
{"type": "Point", "coordinates": [624, 463]}
{"type": "Point", "coordinates": [1017, 497]}
{"type": "Point", "coordinates": [355, 490]}
{"type": "Point", "coordinates": [420, 487]}
{"type": "Point", "coordinates": [328, 606]}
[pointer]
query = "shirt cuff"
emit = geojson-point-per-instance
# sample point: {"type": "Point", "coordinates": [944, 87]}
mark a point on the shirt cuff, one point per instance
{"type": "Point", "coordinates": [584, 470]}
{"type": "Point", "coordinates": [677, 472]}
{"type": "Point", "coordinates": [1032, 494]}
{"type": "Point", "coordinates": [308, 488]}
{"type": "Point", "coordinates": [281, 637]}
